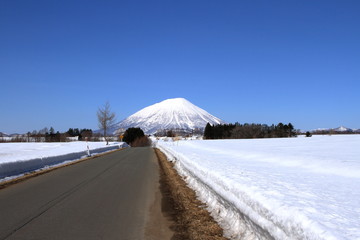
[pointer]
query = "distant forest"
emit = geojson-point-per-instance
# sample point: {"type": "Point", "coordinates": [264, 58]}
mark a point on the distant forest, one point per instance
{"type": "Point", "coordinates": [333, 132]}
{"type": "Point", "coordinates": [49, 135]}
{"type": "Point", "coordinates": [248, 130]}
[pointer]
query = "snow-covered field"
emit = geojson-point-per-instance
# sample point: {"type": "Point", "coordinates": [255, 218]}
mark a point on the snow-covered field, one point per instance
{"type": "Point", "coordinates": [19, 158]}
{"type": "Point", "coordinates": [298, 188]}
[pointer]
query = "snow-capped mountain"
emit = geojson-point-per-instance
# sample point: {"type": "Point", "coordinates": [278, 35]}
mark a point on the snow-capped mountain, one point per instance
{"type": "Point", "coordinates": [342, 129]}
{"type": "Point", "coordinates": [176, 113]}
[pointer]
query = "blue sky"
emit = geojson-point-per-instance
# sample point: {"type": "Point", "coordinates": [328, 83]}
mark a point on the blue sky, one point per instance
{"type": "Point", "coordinates": [246, 61]}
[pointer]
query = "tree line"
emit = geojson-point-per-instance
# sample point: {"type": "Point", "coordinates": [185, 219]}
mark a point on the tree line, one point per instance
{"type": "Point", "coordinates": [248, 130]}
{"type": "Point", "coordinates": [105, 117]}
{"type": "Point", "coordinates": [50, 135]}
{"type": "Point", "coordinates": [333, 132]}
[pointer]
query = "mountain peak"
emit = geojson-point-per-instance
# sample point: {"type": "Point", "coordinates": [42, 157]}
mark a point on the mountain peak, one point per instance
{"type": "Point", "coordinates": [173, 103]}
{"type": "Point", "coordinates": [174, 113]}
{"type": "Point", "coordinates": [342, 129]}
{"type": "Point", "coordinates": [179, 100]}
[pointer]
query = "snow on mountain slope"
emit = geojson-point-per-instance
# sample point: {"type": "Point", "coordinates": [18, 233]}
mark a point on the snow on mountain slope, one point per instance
{"type": "Point", "coordinates": [338, 129]}
{"type": "Point", "coordinates": [176, 113]}
{"type": "Point", "coordinates": [343, 129]}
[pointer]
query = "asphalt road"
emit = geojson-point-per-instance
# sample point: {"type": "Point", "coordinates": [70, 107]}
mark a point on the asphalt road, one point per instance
{"type": "Point", "coordinates": [115, 196]}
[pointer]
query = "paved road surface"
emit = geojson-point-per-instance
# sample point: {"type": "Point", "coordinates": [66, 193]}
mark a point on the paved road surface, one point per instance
{"type": "Point", "coordinates": [115, 196]}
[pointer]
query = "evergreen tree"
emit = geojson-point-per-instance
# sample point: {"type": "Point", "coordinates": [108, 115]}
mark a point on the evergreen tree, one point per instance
{"type": "Point", "coordinates": [70, 132]}
{"type": "Point", "coordinates": [208, 131]}
{"type": "Point", "coordinates": [246, 130]}
{"type": "Point", "coordinates": [76, 132]}
{"type": "Point", "coordinates": [292, 132]}
{"type": "Point", "coordinates": [131, 134]}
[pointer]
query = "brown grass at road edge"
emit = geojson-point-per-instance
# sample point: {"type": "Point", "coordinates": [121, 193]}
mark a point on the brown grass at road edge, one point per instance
{"type": "Point", "coordinates": [192, 221]}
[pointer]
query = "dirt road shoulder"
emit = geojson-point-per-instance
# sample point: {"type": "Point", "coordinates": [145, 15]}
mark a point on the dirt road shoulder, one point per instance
{"type": "Point", "coordinates": [193, 221]}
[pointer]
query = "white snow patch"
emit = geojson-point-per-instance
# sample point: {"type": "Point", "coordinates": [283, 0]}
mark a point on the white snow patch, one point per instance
{"type": "Point", "coordinates": [297, 188]}
{"type": "Point", "coordinates": [19, 158]}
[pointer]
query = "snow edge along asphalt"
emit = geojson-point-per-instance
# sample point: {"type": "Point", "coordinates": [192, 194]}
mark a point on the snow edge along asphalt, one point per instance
{"type": "Point", "coordinates": [42, 171]}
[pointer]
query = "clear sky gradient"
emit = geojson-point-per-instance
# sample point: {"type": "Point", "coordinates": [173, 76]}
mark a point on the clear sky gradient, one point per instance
{"type": "Point", "coordinates": [245, 61]}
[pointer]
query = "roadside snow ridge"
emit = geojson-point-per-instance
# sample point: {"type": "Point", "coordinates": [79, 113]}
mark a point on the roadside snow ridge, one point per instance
{"type": "Point", "coordinates": [176, 113]}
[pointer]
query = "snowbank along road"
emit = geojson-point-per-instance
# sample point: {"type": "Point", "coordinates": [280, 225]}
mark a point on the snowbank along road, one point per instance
{"type": "Point", "coordinates": [280, 188]}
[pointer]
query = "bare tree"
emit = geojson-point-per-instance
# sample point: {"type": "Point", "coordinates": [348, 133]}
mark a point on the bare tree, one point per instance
{"type": "Point", "coordinates": [106, 118]}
